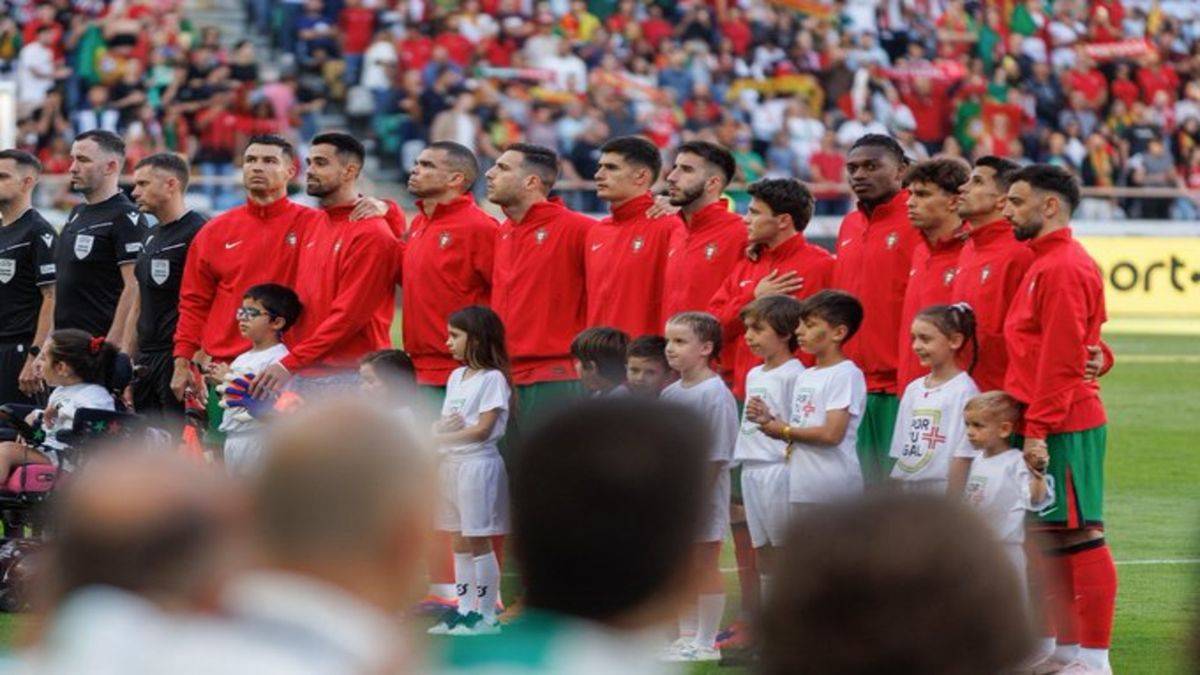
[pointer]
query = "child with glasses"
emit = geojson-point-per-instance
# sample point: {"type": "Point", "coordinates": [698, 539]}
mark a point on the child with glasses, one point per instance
{"type": "Point", "coordinates": [267, 311]}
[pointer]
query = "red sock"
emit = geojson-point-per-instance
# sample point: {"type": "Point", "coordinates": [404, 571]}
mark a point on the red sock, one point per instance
{"type": "Point", "coordinates": [441, 559]}
{"type": "Point", "coordinates": [1095, 577]}
{"type": "Point", "coordinates": [1060, 598]}
{"type": "Point", "coordinates": [748, 580]}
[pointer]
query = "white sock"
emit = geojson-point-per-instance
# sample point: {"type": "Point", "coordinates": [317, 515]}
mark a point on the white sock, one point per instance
{"type": "Point", "coordinates": [687, 622]}
{"type": "Point", "coordinates": [1096, 659]}
{"type": "Point", "coordinates": [464, 582]}
{"type": "Point", "coordinates": [710, 609]}
{"type": "Point", "coordinates": [487, 584]}
{"type": "Point", "coordinates": [1066, 653]}
{"type": "Point", "coordinates": [443, 590]}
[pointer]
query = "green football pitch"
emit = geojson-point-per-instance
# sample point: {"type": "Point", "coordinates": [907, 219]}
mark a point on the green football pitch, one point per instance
{"type": "Point", "coordinates": [1152, 511]}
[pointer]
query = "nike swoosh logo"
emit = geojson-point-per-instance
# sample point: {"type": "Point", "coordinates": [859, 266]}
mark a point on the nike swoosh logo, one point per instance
{"type": "Point", "coordinates": [745, 283]}
{"type": "Point", "coordinates": [231, 244]}
{"type": "Point", "coordinates": [596, 247]}
{"type": "Point", "coordinates": [845, 242]}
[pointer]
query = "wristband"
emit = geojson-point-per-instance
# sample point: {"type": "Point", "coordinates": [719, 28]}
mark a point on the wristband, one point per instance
{"type": "Point", "coordinates": [787, 433]}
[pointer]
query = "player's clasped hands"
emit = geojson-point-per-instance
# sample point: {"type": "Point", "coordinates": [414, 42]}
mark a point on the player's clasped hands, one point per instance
{"type": "Point", "coordinates": [757, 411]}
{"type": "Point", "coordinates": [449, 423]}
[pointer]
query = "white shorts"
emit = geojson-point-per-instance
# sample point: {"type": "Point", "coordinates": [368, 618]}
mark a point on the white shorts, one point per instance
{"type": "Point", "coordinates": [243, 453]}
{"type": "Point", "coordinates": [714, 523]}
{"type": "Point", "coordinates": [765, 495]}
{"type": "Point", "coordinates": [473, 496]}
{"type": "Point", "coordinates": [936, 486]}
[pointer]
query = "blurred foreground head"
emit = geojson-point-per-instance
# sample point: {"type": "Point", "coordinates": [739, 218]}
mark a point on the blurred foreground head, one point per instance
{"type": "Point", "coordinates": [607, 497]}
{"type": "Point", "coordinates": [154, 524]}
{"type": "Point", "coordinates": [344, 497]}
{"type": "Point", "coordinates": [897, 584]}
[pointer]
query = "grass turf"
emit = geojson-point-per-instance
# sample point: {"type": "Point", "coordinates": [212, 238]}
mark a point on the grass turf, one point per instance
{"type": "Point", "coordinates": [1152, 509]}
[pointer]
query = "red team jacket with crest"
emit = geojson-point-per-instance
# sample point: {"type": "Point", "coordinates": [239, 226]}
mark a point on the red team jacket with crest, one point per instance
{"type": "Point", "coordinates": [874, 255]}
{"type": "Point", "coordinates": [447, 265]}
{"type": "Point", "coordinates": [811, 263]}
{"type": "Point", "coordinates": [346, 283]}
{"type": "Point", "coordinates": [990, 269]}
{"type": "Point", "coordinates": [249, 245]}
{"type": "Point", "coordinates": [1056, 313]}
{"type": "Point", "coordinates": [626, 268]}
{"type": "Point", "coordinates": [538, 289]}
{"type": "Point", "coordinates": [930, 282]}
{"type": "Point", "coordinates": [701, 256]}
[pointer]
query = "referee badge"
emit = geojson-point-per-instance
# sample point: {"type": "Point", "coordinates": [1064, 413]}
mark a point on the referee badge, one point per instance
{"type": "Point", "coordinates": [160, 270]}
{"type": "Point", "coordinates": [8, 268]}
{"type": "Point", "coordinates": [83, 245]}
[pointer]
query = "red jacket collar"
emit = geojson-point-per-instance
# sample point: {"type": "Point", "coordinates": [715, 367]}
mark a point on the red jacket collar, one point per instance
{"type": "Point", "coordinates": [540, 212]}
{"type": "Point", "coordinates": [633, 209]}
{"type": "Point", "coordinates": [710, 216]}
{"type": "Point", "coordinates": [269, 211]}
{"type": "Point", "coordinates": [447, 208]}
{"type": "Point", "coordinates": [952, 243]}
{"type": "Point", "coordinates": [787, 248]}
{"type": "Point", "coordinates": [990, 233]}
{"type": "Point", "coordinates": [896, 206]}
{"type": "Point", "coordinates": [339, 214]}
{"type": "Point", "coordinates": [1043, 245]}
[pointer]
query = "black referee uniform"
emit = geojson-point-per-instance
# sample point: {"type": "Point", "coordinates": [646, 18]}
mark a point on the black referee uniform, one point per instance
{"type": "Point", "coordinates": [95, 242]}
{"type": "Point", "coordinates": [26, 263]}
{"type": "Point", "coordinates": [159, 272]}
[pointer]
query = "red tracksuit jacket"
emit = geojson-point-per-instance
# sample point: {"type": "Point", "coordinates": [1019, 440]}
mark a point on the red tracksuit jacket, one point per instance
{"type": "Point", "coordinates": [990, 269]}
{"type": "Point", "coordinates": [1057, 311]}
{"type": "Point", "coordinates": [240, 248]}
{"type": "Point", "coordinates": [930, 282]}
{"type": "Point", "coordinates": [701, 256]}
{"type": "Point", "coordinates": [538, 289]}
{"type": "Point", "coordinates": [346, 283]}
{"type": "Point", "coordinates": [626, 268]}
{"type": "Point", "coordinates": [812, 263]}
{"type": "Point", "coordinates": [447, 266]}
{"type": "Point", "coordinates": [874, 255]}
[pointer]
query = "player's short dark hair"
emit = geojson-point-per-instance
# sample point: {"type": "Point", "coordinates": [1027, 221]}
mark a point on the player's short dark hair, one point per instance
{"type": "Point", "coordinates": [107, 140]}
{"type": "Point", "coordinates": [538, 160]}
{"type": "Point", "coordinates": [891, 145]}
{"type": "Point", "coordinates": [393, 366]}
{"type": "Point", "coordinates": [279, 300]}
{"type": "Point", "coordinates": [1050, 178]}
{"type": "Point", "coordinates": [785, 195]}
{"type": "Point", "coordinates": [704, 325]}
{"type": "Point", "coordinates": [605, 347]}
{"type": "Point", "coordinates": [170, 162]}
{"type": "Point", "coordinates": [606, 498]}
{"type": "Point", "coordinates": [648, 347]}
{"type": "Point", "coordinates": [350, 150]}
{"type": "Point", "coordinates": [275, 140]}
{"type": "Point", "coordinates": [638, 151]}
{"type": "Point", "coordinates": [461, 159]}
{"type": "Point", "coordinates": [947, 173]}
{"type": "Point", "coordinates": [1003, 167]}
{"type": "Point", "coordinates": [780, 312]}
{"type": "Point", "coordinates": [714, 154]}
{"type": "Point", "coordinates": [851, 573]}
{"type": "Point", "coordinates": [837, 308]}
{"type": "Point", "coordinates": [22, 159]}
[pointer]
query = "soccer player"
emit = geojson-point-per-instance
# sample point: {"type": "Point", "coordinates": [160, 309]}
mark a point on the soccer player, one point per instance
{"type": "Point", "coordinates": [159, 184]}
{"type": "Point", "coordinates": [345, 279]}
{"type": "Point", "coordinates": [1056, 313]}
{"type": "Point", "coordinates": [538, 276]}
{"type": "Point", "coordinates": [781, 262]}
{"type": "Point", "coordinates": [95, 288]}
{"type": "Point", "coordinates": [26, 277]}
{"type": "Point", "coordinates": [991, 264]}
{"type": "Point", "coordinates": [598, 355]}
{"type": "Point", "coordinates": [258, 242]}
{"type": "Point", "coordinates": [713, 238]}
{"type": "Point", "coordinates": [447, 259]}
{"type": "Point", "coordinates": [874, 255]}
{"type": "Point", "coordinates": [693, 342]}
{"type": "Point", "coordinates": [933, 187]}
{"type": "Point", "coordinates": [627, 251]}
{"type": "Point", "coordinates": [647, 372]}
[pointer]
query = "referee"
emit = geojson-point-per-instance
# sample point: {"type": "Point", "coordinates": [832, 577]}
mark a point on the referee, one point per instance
{"type": "Point", "coordinates": [159, 184]}
{"type": "Point", "coordinates": [99, 243]}
{"type": "Point", "coordinates": [26, 276]}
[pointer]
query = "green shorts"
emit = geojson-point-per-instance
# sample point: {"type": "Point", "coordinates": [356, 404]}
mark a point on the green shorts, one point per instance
{"type": "Point", "coordinates": [735, 472]}
{"type": "Point", "coordinates": [875, 437]}
{"type": "Point", "coordinates": [213, 436]}
{"type": "Point", "coordinates": [433, 396]}
{"type": "Point", "coordinates": [534, 402]}
{"type": "Point", "coordinates": [1077, 467]}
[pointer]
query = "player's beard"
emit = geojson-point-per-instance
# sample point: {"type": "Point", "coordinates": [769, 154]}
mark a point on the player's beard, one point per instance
{"type": "Point", "coordinates": [319, 190]}
{"type": "Point", "coordinates": [1029, 230]}
{"type": "Point", "coordinates": [688, 196]}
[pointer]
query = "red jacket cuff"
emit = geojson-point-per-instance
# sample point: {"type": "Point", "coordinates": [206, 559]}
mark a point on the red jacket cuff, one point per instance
{"type": "Point", "coordinates": [291, 363]}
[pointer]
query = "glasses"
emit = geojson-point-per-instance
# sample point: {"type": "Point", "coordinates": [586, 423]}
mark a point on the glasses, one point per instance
{"type": "Point", "coordinates": [248, 313]}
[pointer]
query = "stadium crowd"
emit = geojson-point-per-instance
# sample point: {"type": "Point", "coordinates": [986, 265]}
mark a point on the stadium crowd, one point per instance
{"type": "Point", "coordinates": [956, 311]}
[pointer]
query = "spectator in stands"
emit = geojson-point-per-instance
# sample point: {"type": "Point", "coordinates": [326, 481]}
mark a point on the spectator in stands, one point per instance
{"type": "Point", "coordinates": [1153, 168]}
